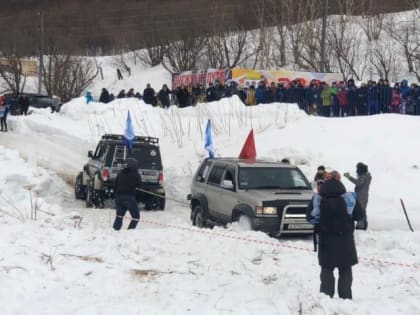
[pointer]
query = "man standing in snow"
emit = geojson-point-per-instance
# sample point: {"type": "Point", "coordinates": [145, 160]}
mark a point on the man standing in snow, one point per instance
{"type": "Point", "coordinates": [362, 183]}
{"type": "Point", "coordinates": [333, 211]}
{"type": "Point", "coordinates": [125, 194]}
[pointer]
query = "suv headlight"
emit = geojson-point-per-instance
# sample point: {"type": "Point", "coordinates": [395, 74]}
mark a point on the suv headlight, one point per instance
{"type": "Point", "coordinates": [265, 210]}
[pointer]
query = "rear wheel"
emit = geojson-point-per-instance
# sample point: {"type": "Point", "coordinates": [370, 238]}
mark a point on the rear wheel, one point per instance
{"type": "Point", "coordinates": [162, 202]}
{"type": "Point", "coordinates": [79, 188]}
{"type": "Point", "coordinates": [89, 192]}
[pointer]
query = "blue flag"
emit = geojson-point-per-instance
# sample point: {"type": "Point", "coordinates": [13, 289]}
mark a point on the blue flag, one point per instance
{"type": "Point", "coordinates": [129, 132]}
{"type": "Point", "coordinates": [208, 141]}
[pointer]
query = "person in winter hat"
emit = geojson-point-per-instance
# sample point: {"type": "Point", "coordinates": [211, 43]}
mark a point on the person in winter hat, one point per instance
{"type": "Point", "coordinates": [320, 174]}
{"type": "Point", "coordinates": [333, 212]}
{"type": "Point", "coordinates": [128, 179]}
{"type": "Point", "coordinates": [361, 189]}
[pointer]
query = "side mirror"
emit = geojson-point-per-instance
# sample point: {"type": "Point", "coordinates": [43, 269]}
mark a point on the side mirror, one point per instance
{"type": "Point", "coordinates": [227, 184]}
{"type": "Point", "coordinates": [90, 154]}
{"type": "Point", "coordinates": [200, 179]}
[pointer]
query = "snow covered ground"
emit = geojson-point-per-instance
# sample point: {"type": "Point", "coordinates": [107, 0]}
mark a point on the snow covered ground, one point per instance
{"type": "Point", "coordinates": [58, 264]}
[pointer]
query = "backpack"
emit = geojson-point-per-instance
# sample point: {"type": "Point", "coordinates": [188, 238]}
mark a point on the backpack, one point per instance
{"type": "Point", "coordinates": [334, 218]}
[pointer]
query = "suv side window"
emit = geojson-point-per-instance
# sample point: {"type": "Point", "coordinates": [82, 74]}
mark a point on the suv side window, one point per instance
{"type": "Point", "coordinates": [203, 172]}
{"type": "Point", "coordinates": [100, 151]}
{"type": "Point", "coordinates": [216, 175]}
{"type": "Point", "coordinates": [229, 175]}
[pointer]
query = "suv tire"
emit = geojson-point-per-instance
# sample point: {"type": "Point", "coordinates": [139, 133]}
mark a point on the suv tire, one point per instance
{"type": "Point", "coordinates": [161, 203]}
{"type": "Point", "coordinates": [79, 189]}
{"type": "Point", "coordinates": [199, 217]}
{"type": "Point", "coordinates": [89, 192]}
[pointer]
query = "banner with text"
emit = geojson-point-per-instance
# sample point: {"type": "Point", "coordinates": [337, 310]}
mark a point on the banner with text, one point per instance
{"type": "Point", "coordinates": [248, 77]}
{"type": "Point", "coordinates": [200, 77]}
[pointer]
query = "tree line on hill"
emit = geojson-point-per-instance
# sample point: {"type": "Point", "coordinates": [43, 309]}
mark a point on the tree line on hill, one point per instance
{"type": "Point", "coordinates": [368, 45]}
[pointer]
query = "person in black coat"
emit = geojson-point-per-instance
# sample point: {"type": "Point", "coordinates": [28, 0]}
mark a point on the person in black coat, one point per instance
{"type": "Point", "coordinates": [334, 211]}
{"type": "Point", "coordinates": [104, 97]}
{"type": "Point", "coordinates": [211, 94]}
{"type": "Point", "coordinates": [149, 95]}
{"type": "Point", "coordinates": [121, 94]}
{"type": "Point", "coordinates": [128, 179]}
{"type": "Point", "coordinates": [163, 96]}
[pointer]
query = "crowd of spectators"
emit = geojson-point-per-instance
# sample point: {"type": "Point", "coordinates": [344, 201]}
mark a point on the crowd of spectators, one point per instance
{"type": "Point", "coordinates": [318, 98]}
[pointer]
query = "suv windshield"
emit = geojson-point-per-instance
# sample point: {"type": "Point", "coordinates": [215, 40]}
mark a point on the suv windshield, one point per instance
{"type": "Point", "coordinates": [271, 178]}
{"type": "Point", "coordinates": [147, 156]}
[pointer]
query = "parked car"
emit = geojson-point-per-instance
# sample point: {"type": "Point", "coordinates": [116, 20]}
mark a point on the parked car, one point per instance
{"type": "Point", "coordinates": [96, 182]}
{"type": "Point", "coordinates": [35, 101]}
{"type": "Point", "coordinates": [265, 196]}
{"type": "Point", "coordinates": [45, 101]}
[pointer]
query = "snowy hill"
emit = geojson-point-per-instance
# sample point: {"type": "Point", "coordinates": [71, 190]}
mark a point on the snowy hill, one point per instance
{"type": "Point", "coordinates": [69, 261]}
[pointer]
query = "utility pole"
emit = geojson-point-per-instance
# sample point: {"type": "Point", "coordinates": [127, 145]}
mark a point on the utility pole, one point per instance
{"type": "Point", "coordinates": [41, 52]}
{"type": "Point", "coordinates": [324, 35]}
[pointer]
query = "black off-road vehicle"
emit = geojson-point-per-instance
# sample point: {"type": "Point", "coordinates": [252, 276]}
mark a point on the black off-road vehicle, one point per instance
{"type": "Point", "coordinates": [95, 183]}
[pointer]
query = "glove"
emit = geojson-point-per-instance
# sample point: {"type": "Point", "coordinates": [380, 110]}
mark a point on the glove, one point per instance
{"type": "Point", "coordinates": [346, 174]}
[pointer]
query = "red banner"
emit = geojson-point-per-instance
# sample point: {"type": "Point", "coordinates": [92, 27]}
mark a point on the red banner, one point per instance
{"type": "Point", "coordinates": [199, 78]}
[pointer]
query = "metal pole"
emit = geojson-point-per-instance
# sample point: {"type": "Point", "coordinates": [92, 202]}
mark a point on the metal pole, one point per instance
{"type": "Point", "coordinates": [41, 53]}
{"type": "Point", "coordinates": [324, 35]}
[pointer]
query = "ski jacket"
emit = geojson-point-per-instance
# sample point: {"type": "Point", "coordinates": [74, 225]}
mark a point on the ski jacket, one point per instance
{"type": "Point", "coordinates": [128, 179]}
{"type": "Point", "coordinates": [337, 248]}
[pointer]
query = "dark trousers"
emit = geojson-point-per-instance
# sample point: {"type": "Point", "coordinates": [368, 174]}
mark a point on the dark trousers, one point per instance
{"type": "Point", "coordinates": [3, 123]}
{"type": "Point", "coordinates": [122, 204]}
{"type": "Point", "coordinates": [345, 279]}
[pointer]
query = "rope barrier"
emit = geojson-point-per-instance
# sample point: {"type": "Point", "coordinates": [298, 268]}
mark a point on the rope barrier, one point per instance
{"type": "Point", "coordinates": [367, 261]}
{"type": "Point", "coordinates": [163, 196]}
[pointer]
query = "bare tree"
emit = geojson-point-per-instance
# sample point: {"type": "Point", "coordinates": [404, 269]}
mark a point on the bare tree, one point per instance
{"type": "Point", "coordinates": [11, 70]}
{"type": "Point", "coordinates": [280, 17]}
{"type": "Point", "coordinates": [345, 42]}
{"type": "Point", "coordinates": [227, 48]}
{"type": "Point", "coordinates": [305, 37]}
{"type": "Point", "coordinates": [406, 35]}
{"type": "Point", "coordinates": [184, 53]}
{"type": "Point", "coordinates": [384, 59]}
{"type": "Point", "coordinates": [68, 76]}
{"type": "Point", "coordinates": [154, 47]}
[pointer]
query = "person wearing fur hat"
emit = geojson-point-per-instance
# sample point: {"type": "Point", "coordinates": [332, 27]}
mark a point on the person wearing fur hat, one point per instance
{"type": "Point", "coordinates": [361, 189]}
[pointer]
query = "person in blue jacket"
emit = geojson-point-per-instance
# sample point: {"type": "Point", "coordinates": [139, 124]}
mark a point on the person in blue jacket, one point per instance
{"type": "Point", "coordinates": [89, 97]}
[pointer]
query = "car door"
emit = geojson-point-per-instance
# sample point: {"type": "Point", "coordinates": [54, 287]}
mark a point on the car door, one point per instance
{"type": "Point", "coordinates": [97, 160]}
{"type": "Point", "coordinates": [228, 196]}
{"type": "Point", "coordinates": [213, 191]}
{"type": "Point", "coordinates": [199, 182]}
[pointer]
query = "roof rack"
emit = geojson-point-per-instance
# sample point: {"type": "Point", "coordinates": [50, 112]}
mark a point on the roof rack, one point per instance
{"type": "Point", "coordinates": [150, 140]}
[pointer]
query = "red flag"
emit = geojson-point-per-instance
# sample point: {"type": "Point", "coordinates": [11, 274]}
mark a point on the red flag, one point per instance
{"type": "Point", "coordinates": [248, 150]}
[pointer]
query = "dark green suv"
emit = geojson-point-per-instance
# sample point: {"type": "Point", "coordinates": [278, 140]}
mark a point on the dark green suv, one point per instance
{"type": "Point", "coordinates": [95, 183]}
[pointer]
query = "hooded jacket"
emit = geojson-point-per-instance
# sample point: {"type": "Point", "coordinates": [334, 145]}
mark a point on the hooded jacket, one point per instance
{"type": "Point", "coordinates": [362, 183]}
{"type": "Point", "coordinates": [128, 179]}
{"type": "Point", "coordinates": [333, 207]}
